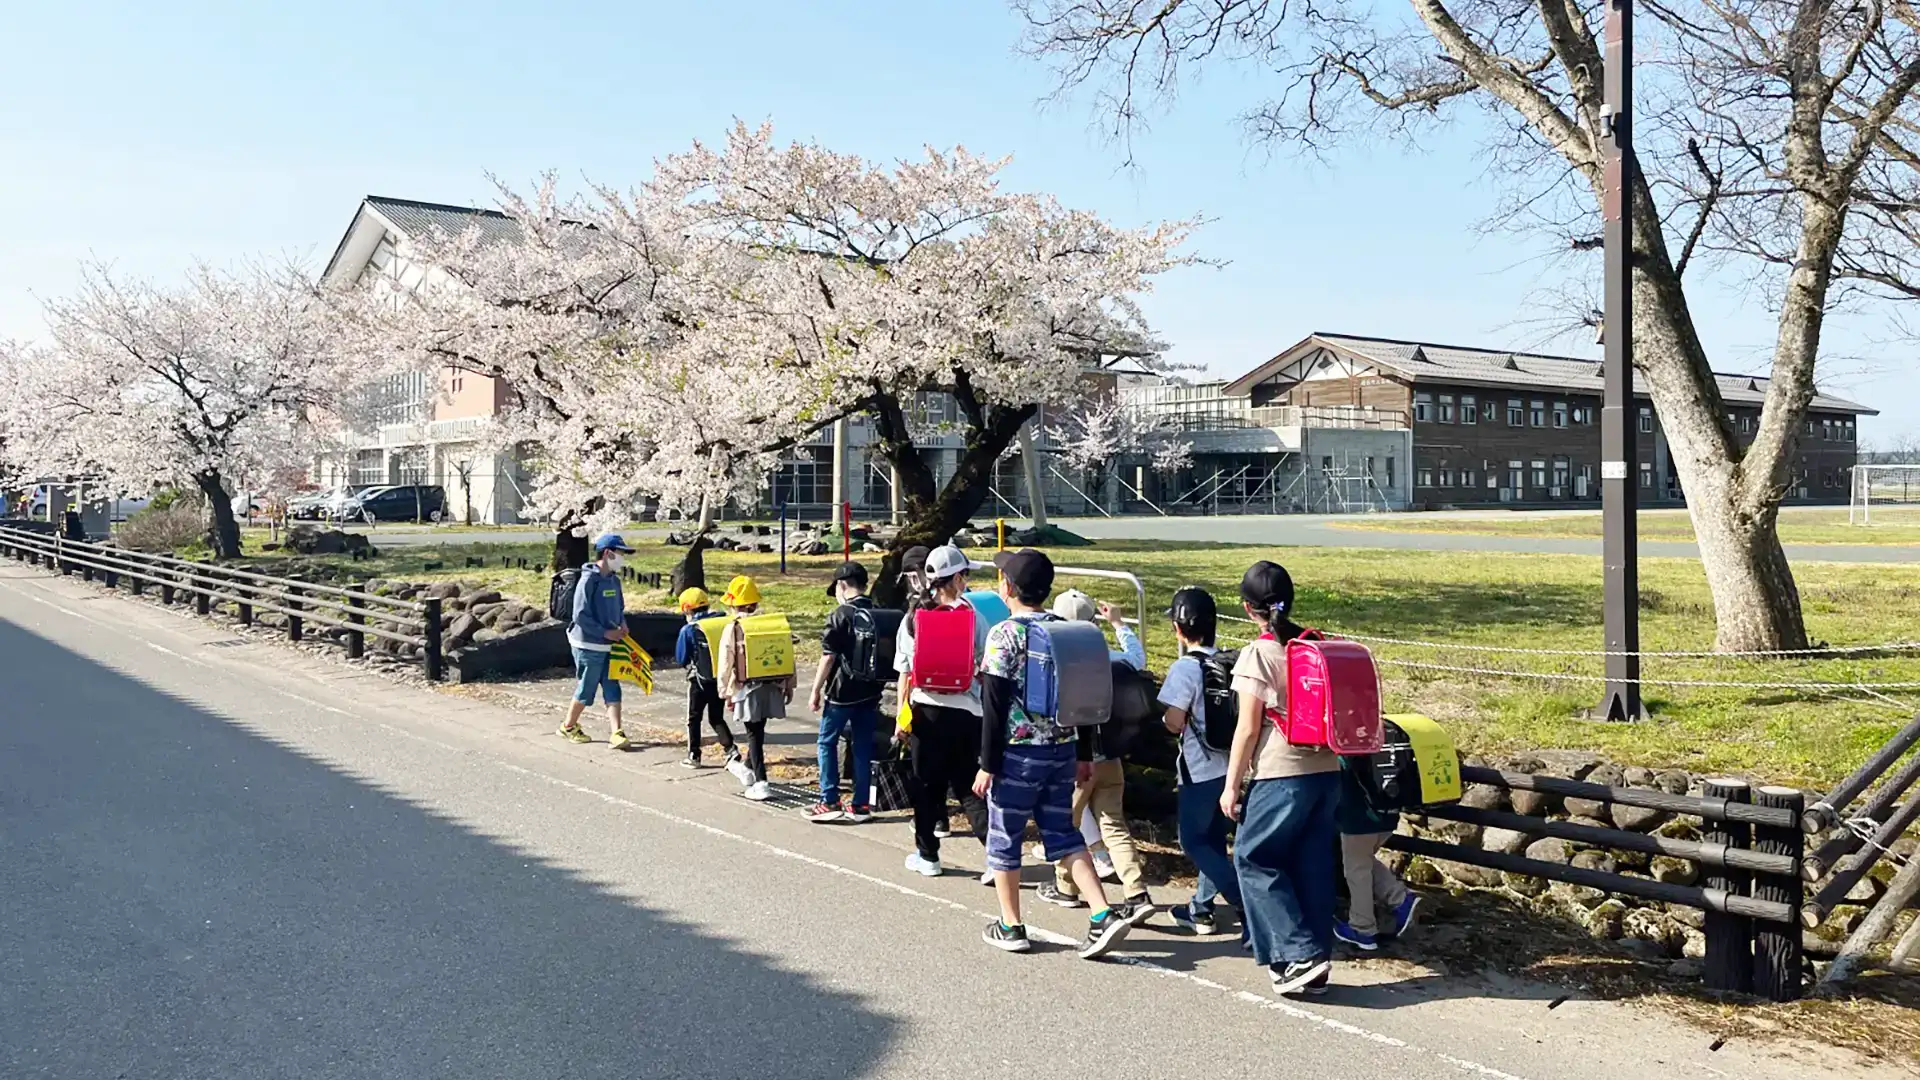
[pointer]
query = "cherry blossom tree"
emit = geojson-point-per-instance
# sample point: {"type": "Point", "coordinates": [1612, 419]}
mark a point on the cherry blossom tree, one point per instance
{"type": "Point", "coordinates": [1776, 140]}
{"type": "Point", "coordinates": [675, 339]}
{"type": "Point", "coordinates": [219, 382]}
{"type": "Point", "coordinates": [1103, 432]}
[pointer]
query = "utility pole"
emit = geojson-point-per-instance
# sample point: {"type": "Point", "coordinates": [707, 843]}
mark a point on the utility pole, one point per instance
{"type": "Point", "coordinates": [1620, 546]}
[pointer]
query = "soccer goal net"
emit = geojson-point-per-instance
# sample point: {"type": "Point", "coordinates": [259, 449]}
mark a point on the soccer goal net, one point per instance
{"type": "Point", "coordinates": [1885, 495]}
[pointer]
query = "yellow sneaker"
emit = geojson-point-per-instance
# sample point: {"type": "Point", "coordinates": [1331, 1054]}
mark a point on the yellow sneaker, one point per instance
{"type": "Point", "coordinates": [575, 733]}
{"type": "Point", "coordinates": [619, 741]}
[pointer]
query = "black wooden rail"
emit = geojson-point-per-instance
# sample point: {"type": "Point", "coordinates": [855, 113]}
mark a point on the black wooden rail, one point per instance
{"type": "Point", "coordinates": [306, 605]}
{"type": "Point", "coordinates": [1750, 865]}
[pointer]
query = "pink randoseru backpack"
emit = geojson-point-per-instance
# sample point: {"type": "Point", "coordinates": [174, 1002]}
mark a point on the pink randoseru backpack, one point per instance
{"type": "Point", "coordinates": [1333, 696]}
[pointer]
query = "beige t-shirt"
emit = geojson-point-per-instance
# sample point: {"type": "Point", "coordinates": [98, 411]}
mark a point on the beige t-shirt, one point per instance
{"type": "Point", "coordinates": [1261, 672]}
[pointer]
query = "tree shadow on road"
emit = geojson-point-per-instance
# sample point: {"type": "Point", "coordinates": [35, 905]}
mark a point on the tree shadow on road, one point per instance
{"type": "Point", "coordinates": [187, 899]}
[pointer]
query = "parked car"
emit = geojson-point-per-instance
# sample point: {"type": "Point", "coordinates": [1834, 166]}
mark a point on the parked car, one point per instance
{"type": "Point", "coordinates": [405, 502]}
{"type": "Point", "coordinates": [344, 503]}
{"type": "Point", "coordinates": [313, 505]}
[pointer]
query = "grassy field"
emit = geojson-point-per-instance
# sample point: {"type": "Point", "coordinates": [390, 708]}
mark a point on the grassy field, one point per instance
{"type": "Point", "coordinates": [1822, 525]}
{"type": "Point", "coordinates": [1454, 598]}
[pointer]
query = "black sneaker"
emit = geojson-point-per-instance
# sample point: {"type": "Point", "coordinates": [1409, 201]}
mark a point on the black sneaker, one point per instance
{"type": "Point", "coordinates": [1051, 893]}
{"type": "Point", "coordinates": [691, 761]}
{"type": "Point", "coordinates": [1006, 938]}
{"type": "Point", "coordinates": [942, 830]}
{"type": "Point", "coordinates": [1301, 976]}
{"type": "Point", "coordinates": [1193, 922]}
{"type": "Point", "coordinates": [1103, 933]}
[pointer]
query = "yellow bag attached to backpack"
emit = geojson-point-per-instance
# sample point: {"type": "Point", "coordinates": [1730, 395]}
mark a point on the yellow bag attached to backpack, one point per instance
{"type": "Point", "coordinates": [769, 647]}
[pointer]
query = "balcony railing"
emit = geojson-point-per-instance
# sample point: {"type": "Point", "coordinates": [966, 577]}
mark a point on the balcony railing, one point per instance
{"type": "Point", "coordinates": [1217, 417]}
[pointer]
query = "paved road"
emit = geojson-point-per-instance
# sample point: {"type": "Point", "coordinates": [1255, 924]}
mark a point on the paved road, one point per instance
{"type": "Point", "coordinates": [235, 860]}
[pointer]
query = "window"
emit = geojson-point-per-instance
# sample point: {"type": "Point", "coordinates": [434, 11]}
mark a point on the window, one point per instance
{"type": "Point", "coordinates": [1422, 407]}
{"type": "Point", "coordinates": [1446, 408]}
{"type": "Point", "coordinates": [1559, 414]}
{"type": "Point", "coordinates": [1391, 483]}
{"type": "Point", "coordinates": [1466, 478]}
{"type": "Point", "coordinates": [1515, 476]}
{"type": "Point", "coordinates": [1562, 474]}
{"type": "Point", "coordinates": [1469, 409]}
{"type": "Point", "coordinates": [1516, 416]}
{"type": "Point", "coordinates": [1492, 414]}
{"type": "Point", "coordinates": [1446, 476]}
{"type": "Point", "coordinates": [1540, 474]}
{"type": "Point", "coordinates": [1646, 421]}
{"type": "Point", "coordinates": [1583, 415]}
{"type": "Point", "coordinates": [1583, 485]}
{"type": "Point", "coordinates": [1425, 478]}
{"type": "Point", "coordinates": [1809, 427]}
{"type": "Point", "coordinates": [1849, 431]}
{"type": "Point", "coordinates": [1537, 414]}
{"type": "Point", "coordinates": [1646, 475]}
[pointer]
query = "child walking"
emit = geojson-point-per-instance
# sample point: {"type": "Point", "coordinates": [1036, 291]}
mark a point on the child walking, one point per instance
{"type": "Point", "coordinates": [1370, 885]}
{"type": "Point", "coordinates": [695, 656]}
{"type": "Point", "coordinates": [1202, 768]}
{"type": "Point", "coordinates": [1029, 766]}
{"type": "Point", "coordinates": [755, 701]}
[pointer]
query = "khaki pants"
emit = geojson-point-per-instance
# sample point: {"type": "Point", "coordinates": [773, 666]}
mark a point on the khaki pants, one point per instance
{"type": "Point", "coordinates": [1369, 882]}
{"type": "Point", "coordinates": [1105, 796]}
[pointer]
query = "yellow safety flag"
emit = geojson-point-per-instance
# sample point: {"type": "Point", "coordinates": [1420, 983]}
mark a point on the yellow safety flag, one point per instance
{"type": "Point", "coordinates": [630, 663]}
{"type": "Point", "coordinates": [903, 717]}
{"type": "Point", "coordinates": [1436, 756]}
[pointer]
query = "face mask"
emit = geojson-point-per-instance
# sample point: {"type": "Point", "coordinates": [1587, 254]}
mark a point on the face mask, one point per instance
{"type": "Point", "coordinates": [618, 562]}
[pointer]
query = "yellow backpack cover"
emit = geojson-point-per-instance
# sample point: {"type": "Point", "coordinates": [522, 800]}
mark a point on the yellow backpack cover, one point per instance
{"type": "Point", "coordinates": [769, 647]}
{"type": "Point", "coordinates": [1434, 753]}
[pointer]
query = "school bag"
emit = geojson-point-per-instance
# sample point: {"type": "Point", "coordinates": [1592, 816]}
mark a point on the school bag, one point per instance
{"type": "Point", "coordinates": [705, 640]}
{"type": "Point", "coordinates": [869, 656]}
{"type": "Point", "coordinates": [1333, 695]}
{"type": "Point", "coordinates": [1416, 765]}
{"type": "Point", "coordinates": [560, 595]}
{"type": "Point", "coordinates": [767, 641]}
{"type": "Point", "coordinates": [1220, 709]}
{"type": "Point", "coordinates": [1135, 729]}
{"type": "Point", "coordinates": [943, 658]}
{"type": "Point", "coordinates": [992, 609]}
{"type": "Point", "coordinates": [1068, 673]}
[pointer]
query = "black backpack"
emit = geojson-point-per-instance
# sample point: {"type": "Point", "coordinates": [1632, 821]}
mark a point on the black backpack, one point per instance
{"type": "Point", "coordinates": [560, 595]}
{"type": "Point", "coordinates": [1222, 717]}
{"type": "Point", "coordinates": [1136, 714]}
{"type": "Point", "coordinates": [870, 656]}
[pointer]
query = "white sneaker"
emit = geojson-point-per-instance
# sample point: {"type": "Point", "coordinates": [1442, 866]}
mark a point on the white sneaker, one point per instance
{"type": "Point", "coordinates": [986, 878]}
{"type": "Point", "coordinates": [1104, 867]}
{"type": "Point", "coordinates": [923, 867]}
{"type": "Point", "coordinates": [741, 772]}
{"type": "Point", "coordinates": [758, 792]}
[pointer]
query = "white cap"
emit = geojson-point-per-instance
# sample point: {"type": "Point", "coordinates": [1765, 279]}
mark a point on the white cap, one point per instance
{"type": "Point", "coordinates": [945, 561]}
{"type": "Point", "coordinates": [1075, 606]}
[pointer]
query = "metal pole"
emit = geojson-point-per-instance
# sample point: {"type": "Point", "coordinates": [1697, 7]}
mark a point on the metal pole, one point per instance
{"type": "Point", "coordinates": [846, 532]}
{"type": "Point", "coordinates": [1618, 440]}
{"type": "Point", "coordinates": [783, 537]}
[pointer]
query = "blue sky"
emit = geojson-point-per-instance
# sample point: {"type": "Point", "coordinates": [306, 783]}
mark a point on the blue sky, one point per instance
{"type": "Point", "coordinates": [218, 131]}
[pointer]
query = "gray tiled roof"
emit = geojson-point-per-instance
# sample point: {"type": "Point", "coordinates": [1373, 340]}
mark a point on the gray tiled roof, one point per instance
{"type": "Point", "coordinates": [422, 218]}
{"type": "Point", "coordinates": [1423, 362]}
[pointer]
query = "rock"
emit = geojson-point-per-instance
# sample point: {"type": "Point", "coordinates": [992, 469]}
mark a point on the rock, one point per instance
{"type": "Point", "coordinates": [532, 617]}
{"type": "Point", "coordinates": [1675, 871]}
{"type": "Point", "coordinates": [1672, 781]}
{"type": "Point", "coordinates": [1689, 968]}
{"type": "Point", "coordinates": [1637, 776]}
{"type": "Point", "coordinates": [1593, 859]}
{"type": "Point", "coordinates": [1638, 818]}
{"type": "Point", "coordinates": [485, 634]}
{"type": "Point", "coordinates": [461, 631]}
{"type": "Point", "coordinates": [1533, 803]}
{"type": "Point", "coordinates": [814, 546]}
{"type": "Point", "coordinates": [308, 540]}
{"type": "Point", "coordinates": [1635, 860]}
{"type": "Point", "coordinates": [1679, 829]}
{"type": "Point", "coordinates": [1693, 944]}
{"type": "Point", "coordinates": [1550, 849]}
{"type": "Point", "coordinates": [487, 613]}
{"type": "Point", "coordinates": [1691, 918]}
{"type": "Point", "coordinates": [1421, 871]}
{"type": "Point", "coordinates": [1591, 823]}
{"type": "Point", "coordinates": [1847, 920]}
{"type": "Point", "coordinates": [1524, 885]}
{"type": "Point", "coordinates": [1605, 920]}
{"type": "Point", "coordinates": [1654, 928]}
{"type": "Point", "coordinates": [484, 596]}
{"type": "Point", "coordinates": [1473, 877]}
{"type": "Point", "coordinates": [1605, 775]}
{"type": "Point", "coordinates": [1458, 832]}
{"type": "Point", "coordinates": [1484, 797]}
{"type": "Point", "coordinates": [445, 590]}
{"type": "Point", "coordinates": [269, 547]}
{"type": "Point", "coordinates": [1867, 890]}
{"type": "Point", "coordinates": [1505, 841]}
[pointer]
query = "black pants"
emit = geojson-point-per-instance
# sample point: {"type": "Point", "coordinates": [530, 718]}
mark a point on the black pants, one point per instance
{"type": "Point", "coordinates": [705, 698]}
{"type": "Point", "coordinates": [946, 755]}
{"type": "Point", "coordinates": [757, 748]}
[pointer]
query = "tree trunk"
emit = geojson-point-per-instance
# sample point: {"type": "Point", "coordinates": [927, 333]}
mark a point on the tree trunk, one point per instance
{"type": "Point", "coordinates": [1036, 484]}
{"type": "Point", "coordinates": [223, 532]}
{"type": "Point", "coordinates": [691, 571]}
{"type": "Point", "coordinates": [933, 516]}
{"type": "Point", "coordinates": [705, 523]}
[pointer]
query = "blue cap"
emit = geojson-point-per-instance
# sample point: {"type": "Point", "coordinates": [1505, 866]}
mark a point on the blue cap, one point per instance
{"type": "Point", "coordinates": [611, 542]}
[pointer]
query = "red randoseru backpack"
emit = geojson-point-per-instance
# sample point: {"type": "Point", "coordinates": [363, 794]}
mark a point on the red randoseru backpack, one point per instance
{"type": "Point", "coordinates": [943, 659]}
{"type": "Point", "coordinates": [1333, 695]}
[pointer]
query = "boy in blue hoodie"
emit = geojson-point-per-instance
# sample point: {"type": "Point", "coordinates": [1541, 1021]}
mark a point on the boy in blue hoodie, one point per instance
{"type": "Point", "coordinates": [599, 619]}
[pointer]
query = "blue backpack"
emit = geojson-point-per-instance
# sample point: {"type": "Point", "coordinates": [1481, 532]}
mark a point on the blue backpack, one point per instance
{"type": "Point", "coordinates": [1069, 677]}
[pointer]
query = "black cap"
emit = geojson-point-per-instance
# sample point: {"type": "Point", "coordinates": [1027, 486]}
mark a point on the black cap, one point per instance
{"type": "Point", "coordinates": [1030, 571]}
{"type": "Point", "coordinates": [1193, 608]}
{"type": "Point", "coordinates": [915, 560]}
{"type": "Point", "coordinates": [1268, 587]}
{"type": "Point", "coordinates": [851, 571]}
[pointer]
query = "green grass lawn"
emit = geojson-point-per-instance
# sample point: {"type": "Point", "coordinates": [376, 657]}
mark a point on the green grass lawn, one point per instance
{"type": "Point", "coordinates": [1488, 598]}
{"type": "Point", "coordinates": [1822, 525]}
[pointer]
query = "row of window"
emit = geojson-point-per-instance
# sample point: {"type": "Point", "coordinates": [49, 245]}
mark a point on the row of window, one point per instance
{"type": "Point", "coordinates": [1520, 412]}
{"type": "Point", "coordinates": [1557, 476]}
